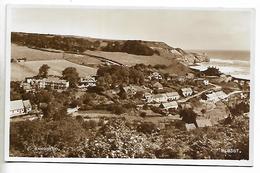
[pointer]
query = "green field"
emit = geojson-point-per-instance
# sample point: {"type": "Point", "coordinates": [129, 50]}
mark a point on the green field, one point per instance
{"type": "Point", "coordinates": [130, 59]}
{"type": "Point", "coordinates": [33, 54]}
{"type": "Point", "coordinates": [30, 68]}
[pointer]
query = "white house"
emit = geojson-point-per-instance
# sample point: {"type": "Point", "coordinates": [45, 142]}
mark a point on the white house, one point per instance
{"type": "Point", "coordinates": [155, 75]}
{"type": "Point", "coordinates": [27, 106]}
{"type": "Point", "coordinates": [51, 81]}
{"type": "Point", "coordinates": [216, 96]}
{"type": "Point", "coordinates": [206, 82]}
{"type": "Point", "coordinates": [86, 82]}
{"type": "Point", "coordinates": [186, 92]}
{"type": "Point", "coordinates": [172, 96]}
{"type": "Point", "coordinates": [157, 85]}
{"type": "Point", "coordinates": [148, 97]}
{"type": "Point", "coordinates": [202, 81]}
{"type": "Point", "coordinates": [20, 107]}
{"type": "Point", "coordinates": [72, 110]}
{"type": "Point", "coordinates": [169, 105]}
{"type": "Point", "coordinates": [158, 98]}
{"type": "Point", "coordinates": [130, 90]}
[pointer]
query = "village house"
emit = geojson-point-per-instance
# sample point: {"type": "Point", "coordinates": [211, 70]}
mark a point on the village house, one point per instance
{"type": "Point", "coordinates": [215, 96]}
{"type": "Point", "coordinates": [20, 59]}
{"type": "Point", "coordinates": [129, 90]}
{"type": "Point", "coordinates": [243, 95]}
{"type": "Point", "coordinates": [225, 78]}
{"type": "Point", "coordinates": [190, 76]}
{"type": "Point", "coordinates": [172, 96]}
{"type": "Point", "coordinates": [20, 107]}
{"type": "Point", "coordinates": [72, 110]}
{"type": "Point", "coordinates": [186, 92]}
{"type": "Point", "coordinates": [158, 98]}
{"type": "Point", "coordinates": [181, 79]}
{"type": "Point", "coordinates": [148, 97]}
{"type": "Point", "coordinates": [56, 83]}
{"type": "Point", "coordinates": [52, 82]}
{"type": "Point", "coordinates": [202, 81]}
{"type": "Point", "coordinates": [169, 105]}
{"type": "Point", "coordinates": [89, 81]}
{"type": "Point", "coordinates": [171, 77]}
{"type": "Point", "coordinates": [155, 76]}
{"type": "Point", "coordinates": [26, 87]}
{"type": "Point", "coordinates": [158, 86]}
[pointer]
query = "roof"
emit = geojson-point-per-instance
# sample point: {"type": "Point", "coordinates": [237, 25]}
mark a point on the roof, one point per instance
{"type": "Point", "coordinates": [172, 94]}
{"type": "Point", "coordinates": [54, 79]}
{"type": "Point", "coordinates": [221, 94]}
{"type": "Point", "coordinates": [218, 94]}
{"type": "Point", "coordinates": [170, 104]}
{"type": "Point", "coordinates": [129, 88]}
{"type": "Point", "coordinates": [186, 90]}
{"type": "Point", "coordinates": [27, 103]}
{"type": "Point", "coordinates": [16, 104]}
{"type": "Point", "coordinates": [157, 84]}
{"type": "Point", "coordinates": [159, 96]}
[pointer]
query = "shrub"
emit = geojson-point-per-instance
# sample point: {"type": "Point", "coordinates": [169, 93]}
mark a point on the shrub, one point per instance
{"type": "Point", "coordinates": [91, 124]}
{"type": "Point", "coordinates": [143, 114]}
{"type": "Point", "coordinates": [147, 127]}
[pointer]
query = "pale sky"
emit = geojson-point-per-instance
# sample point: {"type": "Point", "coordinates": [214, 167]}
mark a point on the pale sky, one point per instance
{"type": "Point", "coordinates": [205, 30]}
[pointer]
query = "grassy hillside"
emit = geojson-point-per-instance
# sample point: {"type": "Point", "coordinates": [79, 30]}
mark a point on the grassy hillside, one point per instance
{"type": "Point", "coordinates": [130, 59]}
{"type": "Point", "coordinates": [30, 68]}
{"type": "Point", "coordinates": [32, 54]}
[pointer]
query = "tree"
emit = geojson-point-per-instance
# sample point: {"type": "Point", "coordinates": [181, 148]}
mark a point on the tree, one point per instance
{"type": "Point", "coordinates": [70, 74]}
{"type": "Point", "coordinates": [189, 116]}
{"type": "Point", "coordinates": [212, 71]}
{"type": "Point", "coordinates": [203, 111]}
{"type": "Point", "coordinates": [43, 71]}
{"type": "Point", "coordinates": [143, 114]}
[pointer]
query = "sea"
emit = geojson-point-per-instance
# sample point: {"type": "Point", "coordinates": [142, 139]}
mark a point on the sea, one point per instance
{"type": "Point", "coordinates": [234, 63]}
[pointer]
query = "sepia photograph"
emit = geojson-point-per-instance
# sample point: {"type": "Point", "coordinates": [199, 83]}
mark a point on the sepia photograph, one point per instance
{"type": "Point", "coordinates": [129, 83]}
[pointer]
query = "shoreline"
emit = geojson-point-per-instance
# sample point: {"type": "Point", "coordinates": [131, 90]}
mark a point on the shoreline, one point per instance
{"type": "Point", "coordinates": [239, 72]}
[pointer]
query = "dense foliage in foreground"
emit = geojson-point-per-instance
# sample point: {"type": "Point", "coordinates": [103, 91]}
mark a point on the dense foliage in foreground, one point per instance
{"type": "Point", "coordinates": [117, 138]}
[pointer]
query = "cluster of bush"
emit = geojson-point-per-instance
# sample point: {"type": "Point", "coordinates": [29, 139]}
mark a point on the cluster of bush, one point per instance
{"type": "Point", "coordinates": [118, 138]}
{"type": "Point", "coordinates": [69, 43]}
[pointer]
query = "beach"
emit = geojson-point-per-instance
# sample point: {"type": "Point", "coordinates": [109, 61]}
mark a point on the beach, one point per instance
{"type": "Point", "coordinates": [234, 64]}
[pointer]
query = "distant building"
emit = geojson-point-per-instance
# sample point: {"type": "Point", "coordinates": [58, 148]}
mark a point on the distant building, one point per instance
{"type": "Point", "coordinates": [172, 96]}
{"type": "Point", "coordinates": [26, 87]}
{"type": "Point", "coordinates": [53, 82]}
{"type": "Point", "coordinates": [172, 77]}
{"type": "Point", "coordinates": [20, 107]}
{"type": "Point", "coordinates": [20, 59]}
{"type": "Point", "coordinates": [148, 97]}
{"type": "Point", "coordinates": [158, 98]}
{"type": "Point", "coordinates": [56, 83]}
{"type": "Point", "coordinates": [86, 82]}
{"type": "Point", "coordinates": [202, 81]}
{"type": "Point", "coordinates": [27, 106]}
{"type": "Point", "coordinates": [169, 105]}
{"type": "Point", "coordinates": [216, 96]}
{"type": "Point", "coordinates": [158, 86]}
{"type": "Point", "coordinates": [186, 92]}
{"type": "Point", "coordinates": [72, 110]}
{"type": "Point", "coordinates": [130, 90]}
{"type": "Point", "coordinates": [225, 78]}
{"type": "Point", "coordinates": [155, 76]}
{"type": "Point", "coordinates": [190, 75]}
